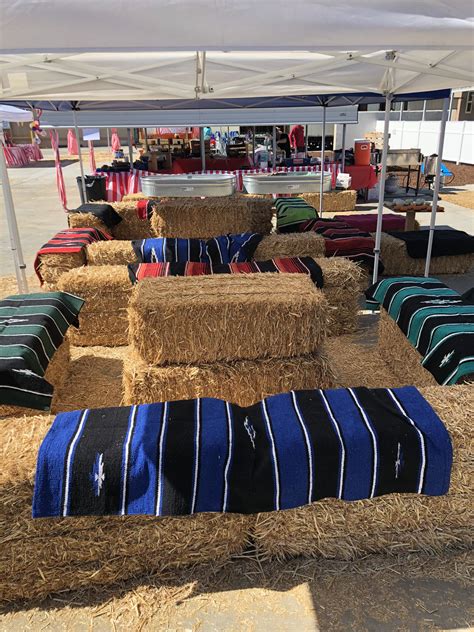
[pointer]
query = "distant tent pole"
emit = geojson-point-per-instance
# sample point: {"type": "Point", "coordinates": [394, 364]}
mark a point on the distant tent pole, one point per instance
{"type": "Point", "coordinates": [383, 173]}
{"type": "Point", "coordinates": [79, 153]}
{"type": "Point", "coordinates": [15, 243]}
{"type": "Point", "coordinates": [434, 208]}
{"type": "Point", "coordinates": [306, 140]}
{"type": "Point", "coordinates": [343, 159]}
{"type": "Point", "coordinates": [108, 139]}
{"type": "Point", "coordinates": [202, 148]}
{"type": "Point", "coordinates": [130, 146]}
{"type": "Point", "coordinates": [145, 137]}
{"type": "Point", "coordinates": [253, 146]}
{"type": "Point", "coordinates": [274, 148]}
{"type": "Point", "coordinates": [323, 146]}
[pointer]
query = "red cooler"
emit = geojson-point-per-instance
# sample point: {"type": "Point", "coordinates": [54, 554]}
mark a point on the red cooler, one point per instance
{"type": "Point", "coordinates": [362, 152]}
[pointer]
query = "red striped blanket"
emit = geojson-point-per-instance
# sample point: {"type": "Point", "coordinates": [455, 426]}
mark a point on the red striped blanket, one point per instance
{"type": "Point", "coordinates": [145, 208]}
{"type": "Point", "coordinates": [298, 265]}
{"type": "Point", "coordinates": [70, 240]}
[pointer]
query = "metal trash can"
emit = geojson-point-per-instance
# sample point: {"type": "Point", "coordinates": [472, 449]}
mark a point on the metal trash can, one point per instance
{"type": "Point", "coordinates": [95, 188]}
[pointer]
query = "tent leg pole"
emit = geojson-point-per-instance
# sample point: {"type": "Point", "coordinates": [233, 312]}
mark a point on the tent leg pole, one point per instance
{"type": "Point", "coordinates": [15, 244]}
{"type": "Point", "coordinates": [343, 157]}
{"type": "Point", "coordinates": [130, 146]}
{"type": "Point", "coordinates": [323, 145]}
{"type": "Point", "coordinates": [434, 208]}
{"type": "Point", "coordinates": [274, 148]}
{"type": "Point", "coordinates": [378, 234]}
{"type": "Point", "coordinates": [108, 139]}
{"type": "Point", "coordinates": [306, 141]}
{"type": "Point", "coordinates": [79, 152]}
{"type": "Point", "coordinates": [203, 149]}
{"type": "Point", "coordinates": [253, 146]}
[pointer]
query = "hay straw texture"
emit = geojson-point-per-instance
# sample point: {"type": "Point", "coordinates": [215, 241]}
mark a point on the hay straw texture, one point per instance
{"type": "Point", "coordinates": [138, 196]}
{"type": "Point", "coordinates": [394, 524]}
{"type": "Point", "coordinates": [342, 280]}
{"type": "Point", "coordinates": [131, 226]}
{"type": "Point", "coordinates": [110, 253]}
{"type": "Point", "coordinates": [87, 220]}
{"type": "Point", "coordinates": [192, 320]}
{"type": "Point", "coordinates": [402, 358]}
{"type": "Point", "coordinates": [39, 557]}
{"type": "Point", "coordinates": [52, 267]}
{"type": "Point", "coordinates": [56, 374]}
{"type": "Point", "coordinates": [394, 255]}
{"type": "Point", "coordinates": [106, 290]}
{"type": "Point", "coordinates": [243, 382]}
{"type": "Point", "coordinates": [209, 217]}
{"type": "Point", "coordinates": [290, 245]}
{"type": "Point", "coordinates": [333, 201]}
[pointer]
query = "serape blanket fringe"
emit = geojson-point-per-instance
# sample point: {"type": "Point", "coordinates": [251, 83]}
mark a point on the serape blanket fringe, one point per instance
{"type": "Point", "coordinates": [32, 327]}
{"type": "Point", "coordinates": [437, 321]}
{"type": "Point", "coordinates": [208, 455]}
{"type": "Point", "coordinates": [299, 265]}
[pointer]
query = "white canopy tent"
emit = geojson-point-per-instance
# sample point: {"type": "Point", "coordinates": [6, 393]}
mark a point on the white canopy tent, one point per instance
{"type": "Point", "coordinates": [68, 52]}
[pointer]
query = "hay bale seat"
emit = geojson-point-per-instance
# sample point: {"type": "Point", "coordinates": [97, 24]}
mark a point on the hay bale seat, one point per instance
{"type": "Point", "coordinates": [402, 358]}
{"type": "Point", "coordinates": [193, 320]}
{"type": "Point", "coordinates": [290, 245]}
{"type": "Point", "coordinates": [392, 524]}
{"type": "Point", "coordinates": [396, 261]}
{"type": "Point", "coordinates": [44, 556]}
{"type": "Point", "coordinates": [243, 382]}
{"type": "Point", "coordinates": [53, 266]}
{"type": "Point", "coordinates": [209, 217]}
{"type": "Point", "coordinates": [87, 220]}
{"type": "Point", "coordinates": [106, 291]}
{"type": "Point", "coordinates": [342, 283]}
{"type": "Point", "coordinates": [110, 253]}
{"type": "Point", "coordinates": [333, 201]}
{"type": "Point", "coordinates": [56, 374]}
{"type": "Point", "coordinates": [131, 226]}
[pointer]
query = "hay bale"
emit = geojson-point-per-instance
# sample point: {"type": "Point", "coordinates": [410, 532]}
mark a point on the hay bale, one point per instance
{"type": "Point", "coordinates": [131, 226]}
{"type": "Point", "coordinates": [56, 374]}
{"type": "Point", "coordinates": [52, 267]}
{"type": "Point", "coordinates": [396, 261]}
{"type": "Point", "coordinates": [210, 217]}
{"type": "Point", "coordinates": [130, 197]}
{"type": "Point", "coordinates": [393, 524]}
{"type": "Point", "coordinates": [244, 382]}
{"type": "Point", "coordinates": [106, 290]}
{"type": "Point", "coordinates": [86, 220]}
{"type": "Point", "coordinates": [110, 253]}
{"type": "Point", "coordinates": [342, 282]}
{"type": "Point", "coordinates": [333, 201]}
{"type": "Point", "coordinates": [204, 319]}
{"type": "Point", "coordinates": [290, 245]}
{"type": "Point", "coordinates": [40, 557]}
{"type": "Point", "coordinates": [402, 358]}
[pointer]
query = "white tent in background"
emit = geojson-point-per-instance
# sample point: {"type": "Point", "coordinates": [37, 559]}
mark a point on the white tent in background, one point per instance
{"type": "Point", "coordinates": [12, 115]}
{"type": "Point", "coordinates": [116, 55]}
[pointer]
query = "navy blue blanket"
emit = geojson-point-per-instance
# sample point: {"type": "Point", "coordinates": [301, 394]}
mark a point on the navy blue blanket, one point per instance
{"type": "Point", "coordinates": [207, 455]}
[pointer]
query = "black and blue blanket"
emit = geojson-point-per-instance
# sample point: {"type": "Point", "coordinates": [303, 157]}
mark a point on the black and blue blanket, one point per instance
{"type": "Point", "coordinates": [222, 249]}
{"type": "Point", "coordinates": [437, 321]}
{"type": "Point", "coordinates": [208, 455]}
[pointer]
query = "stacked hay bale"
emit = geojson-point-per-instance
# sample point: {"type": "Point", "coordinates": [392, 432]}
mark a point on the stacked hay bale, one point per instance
{"type": "Point", "coordinates": [333, 201]}
{"type": "Point", "coordinates": [392, 524]}
{"type": "Point", "coordinates": [342, 282]}
{"type": "Point", "coordinates": [131, 226]}
{"type": "Point", "coordinates": [209, 217]}
{"type": "Point", "coordinates": [396, 260]}
{"type": "Point", "coordinates": [53, 266]}
{"type": "Point", "coordinates": [106, 291]}
{"type": "Point", "coordinates": [233, 337]}
{"type": "Point", "coordinates": [40, 557]}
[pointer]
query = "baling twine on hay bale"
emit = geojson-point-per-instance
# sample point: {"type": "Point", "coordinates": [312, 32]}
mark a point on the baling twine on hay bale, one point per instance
{"type": "Point", "coordinates": [192, 320]}
{"type": "Point", "coordinates": [244, 382]}
{"type": "Point", "coordinates": [402, 358]}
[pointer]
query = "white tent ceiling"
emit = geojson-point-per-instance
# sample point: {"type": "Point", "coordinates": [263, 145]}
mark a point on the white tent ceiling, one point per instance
{"type": "Point", "coordinates": [186, 49]}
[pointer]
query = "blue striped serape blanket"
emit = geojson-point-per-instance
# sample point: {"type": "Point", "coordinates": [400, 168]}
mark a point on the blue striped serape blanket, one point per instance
{"type": "Point", "coordinates": [207, 455]}
{"type": "Point", "coordinates": [437, 321]}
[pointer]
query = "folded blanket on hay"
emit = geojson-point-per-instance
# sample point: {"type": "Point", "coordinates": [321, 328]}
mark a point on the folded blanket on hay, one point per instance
{"type": "Point", "coordinates": [291, 212]}
{"type": "Point", "coordinates": [368, 221]}
{"type": "Point", "coordinates": [298, 265]}
{"type": "Point", "coordinates": [32, 327]}
{"type": "Point", "coordinates": [105, 212]}
{"type": "Point", "coordinates": [69, 240]}
{"type": "Point", "coordinates": [437, 321]}
{"type": "Point", "coordinates": [222, 249]}
{"type": "Point", "coordinates": [446, 243]}
{"type": "Point", "coordinates": [208, 455]}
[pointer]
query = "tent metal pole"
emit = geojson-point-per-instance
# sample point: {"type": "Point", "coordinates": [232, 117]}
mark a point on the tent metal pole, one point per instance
{"type": "Point", "coordinates": [145, 138]}
{"type": "Point", "coordinates": [383, 173]}
{"type": "Point", "coordinates": [434, 208]}
{"type": "Point", "coordinates": [306, 141]}
{"type": "Point", "coordinates": [203, 149]}
{"type": "Point", "coordinates": [274, 148]}
{"type": "Point", "coordinates": [253, 146]}
{"type": "Point", "coordinates": [108, 139]}
{"type": "Point", "coordinates": [323, 145]}
{"type": "Point", "coordinates": [15, 244]}
{"type": "Point", "coordinates": [130, 145]}
{"type": "Point", "coordinates": [83, 180]}
{"type": "Point", "coordinates": [343, 158]}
